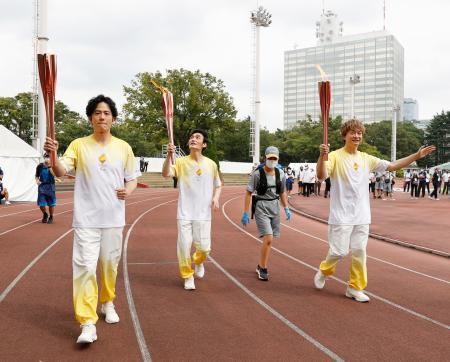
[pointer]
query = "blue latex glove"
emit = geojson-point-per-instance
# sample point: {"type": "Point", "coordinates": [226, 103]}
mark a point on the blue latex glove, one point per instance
{"type": "Point", "coordinates": [288, 213]}
{"type": "Point", "coordinates": [245, 218]}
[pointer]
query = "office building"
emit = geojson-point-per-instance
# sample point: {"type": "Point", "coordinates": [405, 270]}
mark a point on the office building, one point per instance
{"type": "Point", "coordinates": [370, 64]}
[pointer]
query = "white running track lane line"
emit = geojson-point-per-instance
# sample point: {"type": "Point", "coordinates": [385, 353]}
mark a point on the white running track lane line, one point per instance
{"type": "Point", "coordinates": [35, 260]}
{"type": "Point", "coordinates": [143, 348]}
{"type": "Point", "coordinates": [398, 306]}
{"type": "Point", "coordinates": [33, 209]}
{"type": "Point", "coordinates": [64, 212]}
{"type": "Point", "coordinates": [29, 266]}
{"type": "Point", "coordinates": [71, 202]}
{"type": "Point", "coordinates": [278, 315]}
{"type": "Point", "coordinates": [374, 258]}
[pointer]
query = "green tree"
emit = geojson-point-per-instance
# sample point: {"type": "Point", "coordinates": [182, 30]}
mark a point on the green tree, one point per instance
{"type": "Point", "coordinates": [438, 134]}
{"type": "Point", "coordinates": [233, 142]}
{"type": "Point", "coordinates": [15, 114]}
{"type": "Point", "coordinates": [200, 101]}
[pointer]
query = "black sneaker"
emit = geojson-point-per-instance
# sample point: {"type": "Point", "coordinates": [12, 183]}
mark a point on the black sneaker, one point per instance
{"type": "Point", "coordinates": [263, 274]}
{"type": "Point", "coordinates": [50, 220]}
{"type": "Point", "coordinates": [45, 218]}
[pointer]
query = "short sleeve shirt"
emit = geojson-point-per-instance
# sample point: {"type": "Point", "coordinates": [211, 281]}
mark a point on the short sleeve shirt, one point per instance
{"type": "Point", "coordinates": [270, 194]}
{"type": "Point", "coordinates": [99, 171]}
{"type": "Point", "coordinates": [349, 195]}
{"type": "Point", "coordinates": [196, 183]}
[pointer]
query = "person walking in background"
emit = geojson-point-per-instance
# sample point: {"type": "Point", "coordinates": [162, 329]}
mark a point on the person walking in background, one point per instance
{"type": "Point", "coordinates": [435, 182]}
{"type": "Point", "coordinates": [199, 189]}
{"type": "Point", "coordinates": [269, 184]}
{"type": "Point", "coordinates": [105, 176]}
{"type": "Point", "coordinates": [349, 218]}
{"type": "Point", "coordinates": [46, 190]}
{"type": "Point", "coordinates": [289, 180]}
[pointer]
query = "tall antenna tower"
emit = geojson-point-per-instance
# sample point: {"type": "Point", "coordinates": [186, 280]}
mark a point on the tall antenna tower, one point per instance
{"type": "Point", "coordinates": [34, 95]}
{"type": "Point", "coordinates": [384, 14]}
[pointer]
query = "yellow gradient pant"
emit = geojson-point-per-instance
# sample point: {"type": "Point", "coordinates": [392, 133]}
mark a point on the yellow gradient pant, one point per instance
{"type": "Point", "coordinates": [341, 239]}
{"type": "Point", "coordinates": [197, 233]}
{"type": "Point", "coordinates": [90, 245]}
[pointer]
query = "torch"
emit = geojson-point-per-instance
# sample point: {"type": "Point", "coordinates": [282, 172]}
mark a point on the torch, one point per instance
{"type": "Point", "coordinates": [167, 105]}
{"type": "Point", "coordinates": [325, 100]}
{"type": "Point", "coordinates": [47, 77]}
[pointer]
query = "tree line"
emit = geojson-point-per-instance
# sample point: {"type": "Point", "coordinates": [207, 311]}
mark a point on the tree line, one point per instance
{"type": "Point", "coordinates": [201, 101]}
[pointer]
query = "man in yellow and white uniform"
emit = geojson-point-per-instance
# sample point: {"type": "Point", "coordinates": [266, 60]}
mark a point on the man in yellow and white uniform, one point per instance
{"type": "Point", "coordinates": [349, 218]}
{"type": "Point", "coordinates": [105, 175]}
{"type": "Point", "coordinates": [199, 190]}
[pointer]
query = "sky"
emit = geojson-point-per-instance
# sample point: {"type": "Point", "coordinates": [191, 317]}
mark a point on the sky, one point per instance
{"type": "Point", "coordinates": [102, 44]}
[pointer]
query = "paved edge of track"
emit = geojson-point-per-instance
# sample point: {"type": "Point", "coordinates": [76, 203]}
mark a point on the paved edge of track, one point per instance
{"type": "Point", "coordinates": [380, 237]}
{"type": "Point", "coordinates": [143, 348]}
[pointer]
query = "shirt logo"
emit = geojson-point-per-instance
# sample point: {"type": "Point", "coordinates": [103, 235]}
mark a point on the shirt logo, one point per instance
{"type": "Point", "coordinates": [199, 171]}
{"type": "Point", "coordinates": [355, 166]}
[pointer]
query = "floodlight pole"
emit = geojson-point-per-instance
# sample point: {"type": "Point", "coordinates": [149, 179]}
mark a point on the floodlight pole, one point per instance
{"type": "Point", "coordinates": [353, 80]}
{"type": "Point", "coordinates": [42, 40]}
{"type": "Point", "coordinates": [395, 113]}
{"type": "Point", "coordinates": [258, 18]}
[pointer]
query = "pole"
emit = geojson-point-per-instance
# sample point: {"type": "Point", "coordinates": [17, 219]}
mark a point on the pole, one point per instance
{"type": "Point", "coordinates": [394, 134]}
{"type": "Point", "coordinates": [352, 109]}
{"type": "Point", "coordinates": [41, 49]}
{"type": "Point", "coordinates": [256, 151]}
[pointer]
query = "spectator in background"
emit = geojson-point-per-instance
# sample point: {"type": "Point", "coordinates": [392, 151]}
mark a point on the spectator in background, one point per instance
{"type": "Point", "coordinates": [145, 166]}
{"type": "Point", "coordinates": [372, 181]}
{"type": "Point", "coordinates": [406, 181]}
{"type": "Point", "coordinates": [141, 163]}
{"type": "Point", "coordinates": [414, 185]}
{"type": "Point", "coordinates": [445, 181]}
{"type": "Point", "coordinates": [46, 190]}
{"type": "Point", "coordinates": [327, 187]}
{"type": "Point", "coordinates": [289, 180]}
{"type": "Point", "coordinates": [3, 190]}
{"type": "Point", "coordinates": [422, 183]}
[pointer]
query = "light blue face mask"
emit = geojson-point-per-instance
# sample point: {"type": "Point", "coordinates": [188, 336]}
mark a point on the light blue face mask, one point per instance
{"type": "Point", "coordinates": [271, 163]}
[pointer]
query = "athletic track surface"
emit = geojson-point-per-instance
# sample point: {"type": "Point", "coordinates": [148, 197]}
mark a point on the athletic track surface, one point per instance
{"type": "Point", "coordinates": [231, 316]}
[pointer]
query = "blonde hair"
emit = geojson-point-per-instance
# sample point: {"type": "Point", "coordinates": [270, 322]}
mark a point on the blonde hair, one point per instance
{"type": "Point", "coordinates": [352, 125]}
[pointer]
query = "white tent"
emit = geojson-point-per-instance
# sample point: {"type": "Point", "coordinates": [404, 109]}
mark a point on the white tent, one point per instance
{"type": "Point", "coordinates": [18, 161]}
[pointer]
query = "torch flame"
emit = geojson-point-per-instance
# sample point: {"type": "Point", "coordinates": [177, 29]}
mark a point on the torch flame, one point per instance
{"type": "Point", "coordinates": [322, 73]}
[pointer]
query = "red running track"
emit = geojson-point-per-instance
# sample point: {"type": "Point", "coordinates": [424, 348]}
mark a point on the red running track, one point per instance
{"type": "Point", "coordinates": [231, 315]}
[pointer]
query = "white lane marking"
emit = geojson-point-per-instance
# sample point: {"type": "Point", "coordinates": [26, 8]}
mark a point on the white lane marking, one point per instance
{"type": "Point", "coordinates": [24, 271]}
{"type": "Point", "coordinates": [29, 210]}
{"type": "Point", "coordinates": [145, 352]}
{"type": "Point", "coordinates": [278, 315]}
{"type": "Point", "coordinates": [133, 196]}
{"type": "Point", "coordinates": [31, 222]}
{"type": "Point", "coordinates": [410, 311]}
{"type": "Point", "coordinates": [374, 258]}
{"type": "Point", "coordinates": [64, 212]}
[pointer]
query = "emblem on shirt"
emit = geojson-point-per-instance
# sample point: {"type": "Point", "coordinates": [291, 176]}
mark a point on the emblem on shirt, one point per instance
{"type": "Point", "coordinates": [199, 171]}
{"type": "Point", "coordinates": [102, 159]}
{"type": "Point", "coordinates": [355, 166]}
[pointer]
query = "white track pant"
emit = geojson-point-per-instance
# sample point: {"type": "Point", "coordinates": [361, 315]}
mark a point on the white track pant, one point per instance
{"type": "Point", "coordinates": [88, 246]}
{"type": "Point", "coordinates": [198, 233]}
{"type": "Point", "coordinates": [341, 238]}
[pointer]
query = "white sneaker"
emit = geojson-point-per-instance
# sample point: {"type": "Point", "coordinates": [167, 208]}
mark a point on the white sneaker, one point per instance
{"type": "Point", "coordinates": [319, 280]}
{"type": "Point", "coordinates": [357, 295]}
{"type": "Point", "coordinates": [110, 313]}
{"type": "Point", "coordinates": [199, 270]}
{"type": "Point", "coordinates": [88, 334]}
{"type": "Point", "coordinates": [189, 283]}
{"type": "Point", "coordinates": [7, 203]}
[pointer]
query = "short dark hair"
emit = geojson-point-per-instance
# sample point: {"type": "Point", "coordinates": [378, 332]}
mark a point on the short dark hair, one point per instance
{"type": "Point", "coordinates": [202, 132]}
{"type": "Point", "coordinates": [93, 103]}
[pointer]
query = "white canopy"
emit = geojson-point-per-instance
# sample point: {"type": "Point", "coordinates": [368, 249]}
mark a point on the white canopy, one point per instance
{"type": "Point", "coordinates": [18, 161]}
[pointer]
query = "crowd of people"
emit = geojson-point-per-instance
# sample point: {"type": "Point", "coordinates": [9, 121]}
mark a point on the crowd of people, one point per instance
{"type": "Point", "coordinates": [417, 182]}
